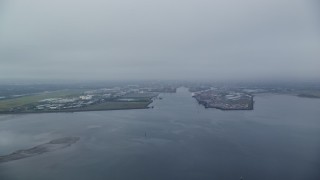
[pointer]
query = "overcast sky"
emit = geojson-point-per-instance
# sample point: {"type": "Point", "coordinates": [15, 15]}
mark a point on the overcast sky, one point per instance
{"type": "Point", "coordinates": [159, 39]}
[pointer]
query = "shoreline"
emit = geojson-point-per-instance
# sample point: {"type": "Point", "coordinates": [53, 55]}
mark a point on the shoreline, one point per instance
{"type": "Point", "coordinates": [73, 111]}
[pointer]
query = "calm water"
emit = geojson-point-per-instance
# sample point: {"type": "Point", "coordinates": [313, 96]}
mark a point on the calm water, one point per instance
{"type": "Point", "coordinates": [279, 140]}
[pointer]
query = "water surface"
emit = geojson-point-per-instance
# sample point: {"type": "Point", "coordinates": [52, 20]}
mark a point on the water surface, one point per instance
{"type": "Point", "coordinates": [177, 139]}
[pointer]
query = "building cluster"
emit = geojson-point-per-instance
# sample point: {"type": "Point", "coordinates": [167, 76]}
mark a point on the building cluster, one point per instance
{"type": "Point", "coordinates": [91, 97]}
{"type": "Point", "coordinates": [81, 101]}
{"type": "Point", "coordinates": [65, 103]}
{"type": "Point", "coordinates": [225, 100]}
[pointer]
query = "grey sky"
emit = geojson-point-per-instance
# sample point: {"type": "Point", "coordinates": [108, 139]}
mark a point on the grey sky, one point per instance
{"type": "Point", "coordinates": [159, 39]}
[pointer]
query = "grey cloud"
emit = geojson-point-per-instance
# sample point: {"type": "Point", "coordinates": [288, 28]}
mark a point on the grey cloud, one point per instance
{"type": "Point", "coordinates": [142, 39]}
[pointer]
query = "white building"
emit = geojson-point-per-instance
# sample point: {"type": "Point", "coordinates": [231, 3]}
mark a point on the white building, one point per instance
{"type": "Point", "coordinates": [87, 97]}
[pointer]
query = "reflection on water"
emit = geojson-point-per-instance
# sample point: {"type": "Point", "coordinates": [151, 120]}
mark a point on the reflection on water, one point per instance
{"type": "Point", "coordinates": [178, 139]}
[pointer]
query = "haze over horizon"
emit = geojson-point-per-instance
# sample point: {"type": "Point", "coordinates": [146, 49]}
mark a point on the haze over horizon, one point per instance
{"type": "Point", "coordinates": [140, 39]}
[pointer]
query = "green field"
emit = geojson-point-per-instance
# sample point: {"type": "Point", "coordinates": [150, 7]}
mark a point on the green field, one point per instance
{"type": "Point", "coordinates": [7, 104]}
{"type": "Point", "coordinates": [23, 104]}
{"type": "Point", "coordinates": [309, 94]}
{"type": "Point", "coordinates": [115, 106]}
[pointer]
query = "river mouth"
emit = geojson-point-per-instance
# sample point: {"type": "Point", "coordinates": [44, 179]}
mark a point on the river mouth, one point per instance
{"type": "Point", "coordinates": [177, 139]}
